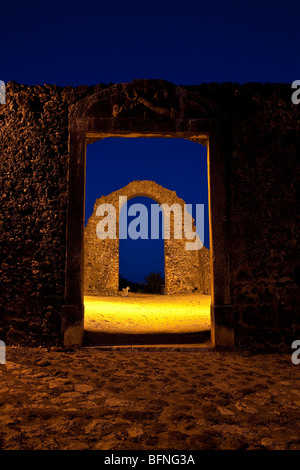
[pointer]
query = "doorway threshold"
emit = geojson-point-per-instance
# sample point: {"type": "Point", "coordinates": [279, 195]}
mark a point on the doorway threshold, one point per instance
{"type": "Point", "coordinates": [208, 346]}
{"type": "Point", "coordinates": [100, 338]}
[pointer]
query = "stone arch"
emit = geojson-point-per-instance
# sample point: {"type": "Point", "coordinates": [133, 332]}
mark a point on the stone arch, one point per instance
{"type": "Point", "coordinates": [185, 270]}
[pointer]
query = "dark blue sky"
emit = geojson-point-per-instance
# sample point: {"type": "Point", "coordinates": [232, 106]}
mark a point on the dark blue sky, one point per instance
{"type": "Point", "coordinates": [138, 258]}
{"type": "Point", "coordinates": [190, 42]}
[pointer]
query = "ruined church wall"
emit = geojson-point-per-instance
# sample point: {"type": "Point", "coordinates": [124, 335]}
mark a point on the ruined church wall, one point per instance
{"type": "Point", "coordinates": [185, 270]}
{"type": "Point", "coordinates": [262, 222]}
{"type": "Point", "coordinates": [34, 195]}
{"type": "Point", "coordinates": [264, 186]}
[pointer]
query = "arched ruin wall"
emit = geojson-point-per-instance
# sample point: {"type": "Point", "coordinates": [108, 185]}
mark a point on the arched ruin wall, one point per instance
{"type": "Point", "coordinates": [185, 270]}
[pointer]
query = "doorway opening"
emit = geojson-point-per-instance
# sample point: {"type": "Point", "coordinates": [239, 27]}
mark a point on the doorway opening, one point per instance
{"type": "Point", "coordinates": [149, 109]}
{"type": "Point", "coordinates": [157, 297]}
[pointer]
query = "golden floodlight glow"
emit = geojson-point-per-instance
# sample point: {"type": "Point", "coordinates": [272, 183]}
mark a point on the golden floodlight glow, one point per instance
{"type": "Point", "coordinates": [146, 313]}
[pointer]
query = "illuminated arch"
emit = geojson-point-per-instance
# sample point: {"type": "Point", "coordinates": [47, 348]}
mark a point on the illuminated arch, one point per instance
{"type": "Point", "coordinates": [185, 270]}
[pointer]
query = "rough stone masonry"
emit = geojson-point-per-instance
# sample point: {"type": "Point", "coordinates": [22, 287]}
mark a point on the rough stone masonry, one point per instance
{"type": "Point", "coordinates": [254, 145]}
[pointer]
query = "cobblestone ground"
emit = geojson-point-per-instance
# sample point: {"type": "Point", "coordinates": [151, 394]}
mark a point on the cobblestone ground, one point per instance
{"type": "Point", "coordinates": [151, 398]}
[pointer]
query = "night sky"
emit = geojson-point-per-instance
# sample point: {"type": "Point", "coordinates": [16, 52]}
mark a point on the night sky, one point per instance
{"type": "Point", "coordinates": [185, 43]}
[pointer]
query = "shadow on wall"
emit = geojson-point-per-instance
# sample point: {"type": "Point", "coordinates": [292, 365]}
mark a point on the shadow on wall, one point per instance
{"type": "Point", "coordinates": [98, 338]}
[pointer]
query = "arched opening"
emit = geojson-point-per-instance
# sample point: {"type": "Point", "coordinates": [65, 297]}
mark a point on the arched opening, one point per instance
{"type": "Point", "coordinates": [141, 257]}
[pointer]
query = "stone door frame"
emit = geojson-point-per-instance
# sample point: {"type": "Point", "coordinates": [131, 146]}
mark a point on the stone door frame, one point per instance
{"type": "Point", "coordinates": [84, 129]}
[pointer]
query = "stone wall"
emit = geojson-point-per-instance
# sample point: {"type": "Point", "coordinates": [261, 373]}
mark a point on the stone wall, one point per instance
{"type": "Point", "coordinates": [262, 129]}
{"type": "Point", "coordinates": [34, 194]}
{"type": "Point", "coordinates": [185, 270]}
{"type": "Point", "coordinates": [264, 219]}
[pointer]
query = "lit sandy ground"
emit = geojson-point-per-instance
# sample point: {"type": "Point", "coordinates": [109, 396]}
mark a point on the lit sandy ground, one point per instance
{"type": "Point", "coordinates": [145, 313]}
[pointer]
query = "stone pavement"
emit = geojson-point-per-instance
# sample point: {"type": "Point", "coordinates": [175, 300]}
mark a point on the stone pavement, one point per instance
{"type": "Point", "coordinates": [180, 398]}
